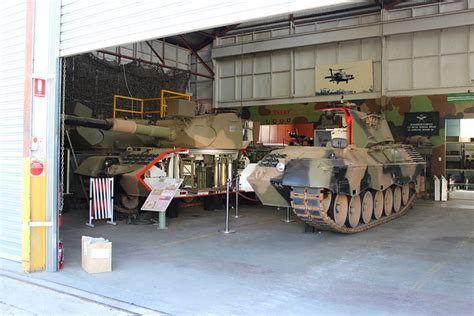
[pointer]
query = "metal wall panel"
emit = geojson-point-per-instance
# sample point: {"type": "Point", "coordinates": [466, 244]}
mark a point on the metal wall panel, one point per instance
{"type": "Point", "coordinates": [90, 25]}
{"type": "Point", "coordinates": [276, 76]}
{"type": "Point", "coordinates": [12, 63]}
{"type": "Point", "coordinates": [174, 55]}
{"type": "Point", "coordinates": [427, 50]}
{"type": "Point", "coordinates": [430, 60]}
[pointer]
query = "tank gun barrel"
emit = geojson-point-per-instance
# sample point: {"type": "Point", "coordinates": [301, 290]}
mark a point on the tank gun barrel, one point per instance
{"type": "Point", "coordinates": [132, 127]}
{"type": "Point", "coordinates": [87, 122]}
{"type": "Point", "coordinates": [124, 126]}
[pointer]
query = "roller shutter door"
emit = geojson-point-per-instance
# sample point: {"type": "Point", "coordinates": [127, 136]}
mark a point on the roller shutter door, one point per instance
{"type": "Point", "coordinates": [91, 25]}
{"type": "Point", "coordinates": [12, 65]}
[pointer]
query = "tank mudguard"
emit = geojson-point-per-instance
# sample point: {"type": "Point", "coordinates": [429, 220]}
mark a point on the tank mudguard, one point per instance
{"type": "Point", "coordinates": [329, 174]}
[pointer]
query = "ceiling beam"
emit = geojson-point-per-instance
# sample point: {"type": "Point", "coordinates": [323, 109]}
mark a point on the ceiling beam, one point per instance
{"type": "Point", "coordinates": [155, 52]}
{"type": "Point", "coordinates": [194, 52]}
{"type": "Point", "coordinates": [216, 34]}
{"type": "Point", "coordinates": [152, 63]}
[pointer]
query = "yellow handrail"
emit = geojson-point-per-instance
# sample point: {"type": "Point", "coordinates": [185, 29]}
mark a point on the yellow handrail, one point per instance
{"type": "Point", "coordinates": [142, 112]}
{"type": "Point", "coordinates": [142, 105]}
{"type": "Point", "coordinates": [164, 105]}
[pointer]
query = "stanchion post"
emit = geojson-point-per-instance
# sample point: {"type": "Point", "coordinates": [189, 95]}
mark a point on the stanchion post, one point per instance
{"type": "Point", "coordinates": [228, 185]}
{"type": "Point", "coordinates": [162, 220]}
{"type": "Point", "coordinates": [237, 190]}
{"type": "Point", "coordinates": [288, 220]}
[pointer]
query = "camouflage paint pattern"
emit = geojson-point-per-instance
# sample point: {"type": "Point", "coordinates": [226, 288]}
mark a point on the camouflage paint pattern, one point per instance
{"type": "Point", "coordinates": [375, 165]}
{"type": "Point", "coordinates": [210, 131]}
{"type": "Point", "coordinates": [393, 111]}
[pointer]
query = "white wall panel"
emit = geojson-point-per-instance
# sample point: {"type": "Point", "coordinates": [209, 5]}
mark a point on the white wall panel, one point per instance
{"type": "Point", "coordinates": [326, 54]}
{"type": "Point", "coordinates": [426, 72]}
{"type": "Point", "coordinates": [371, 49]}
{"type": "Point", "coordinates": [227, 91]}
{"type": "Point", "coordinates": [281, 61]}
{"type": "Point", "coordinates": [425, 50]}
{"type": "Point", "coordinates": [12, 71]}
{"type": "Point", "coordinates": [305, 79]}
{"type": "Point", "coordinates": [471, 38]}
{"type": "Point", "coordinates": [274, 74]}
{"type": "Point", "coordinates": [349, 51]}
{"type": "Point", "coordinates": [471, 65]}
{"type": "Point", "coordinates": [304, 57]}
{"type": "Point", "coordinates": [90, 25]}
{"type": "Point", "coordinates": [262, 86]}
{"type": "Point", "coordinates": [227, 67]}
{"type": "Point", "coordinates": [244, 65]}
{"type": "Point", "coordinates": [400, 46]}
{"type": "Point", "coordinates": [246, 82]}
{"type": "Point", "coordinates": [454, 70]}
{"type": "Point", "coordinates": [454, 40]}
{"type": "Point", "coordinates": [262, 63]}
{"type": "Point", "coordinates": [426, 43]}
{"type": "Point", "coordinates": [400, 74]}
{"type": "Point", "coordinates": [281, 84]}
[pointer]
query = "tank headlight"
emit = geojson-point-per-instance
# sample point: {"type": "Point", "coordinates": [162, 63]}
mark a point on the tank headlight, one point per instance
{"type": "Point", "coordinates": [280, 166]}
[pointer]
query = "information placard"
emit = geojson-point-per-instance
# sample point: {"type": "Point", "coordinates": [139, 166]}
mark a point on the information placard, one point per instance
{"type": "Point", "coordinates": [164, 189]}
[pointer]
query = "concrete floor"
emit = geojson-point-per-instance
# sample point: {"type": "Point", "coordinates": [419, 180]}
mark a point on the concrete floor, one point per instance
{"type": "Point", "coordinates": [421, 264]}
{"type": "Point", "coordinates": [50, 300]}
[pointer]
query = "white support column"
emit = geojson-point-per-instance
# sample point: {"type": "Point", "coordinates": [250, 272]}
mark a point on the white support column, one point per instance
{"type": "Point", "coordinates": [45, 116]}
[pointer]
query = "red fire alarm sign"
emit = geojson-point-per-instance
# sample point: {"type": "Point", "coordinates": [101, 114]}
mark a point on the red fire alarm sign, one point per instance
{"type": "Point", "coordinates": [39, 87]}
{"type": "Point", "coordinates": [36, 168]}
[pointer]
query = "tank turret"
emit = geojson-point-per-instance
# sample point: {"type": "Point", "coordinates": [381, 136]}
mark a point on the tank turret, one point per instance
{"type": "Point", "coordinates": [354, 178]}
{"type": "Point", "coordinates": [210, 131]}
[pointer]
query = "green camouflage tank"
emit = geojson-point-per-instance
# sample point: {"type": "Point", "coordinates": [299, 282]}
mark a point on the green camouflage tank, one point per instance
{"type": "Point", "coordinates": [354, 178]}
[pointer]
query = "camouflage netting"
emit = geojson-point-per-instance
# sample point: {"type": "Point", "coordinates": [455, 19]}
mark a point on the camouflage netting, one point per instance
{"type": "Point", "coordinates": [94, 81]}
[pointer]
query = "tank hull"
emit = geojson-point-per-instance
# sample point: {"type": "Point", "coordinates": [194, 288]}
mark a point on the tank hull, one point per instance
{"type": "Point", "coordinates": [340, 189]}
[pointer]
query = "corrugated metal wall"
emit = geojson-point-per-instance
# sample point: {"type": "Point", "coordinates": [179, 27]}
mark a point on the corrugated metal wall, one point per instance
{"type": "Point", "coordinates": [90, 25]}
{"type": "Point", "coordinates": [421, 59]}
{"type": "Point", "coordinates": [12, 63]}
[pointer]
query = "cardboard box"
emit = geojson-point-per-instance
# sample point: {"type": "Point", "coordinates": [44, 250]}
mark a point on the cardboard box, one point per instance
{"type": "Point", "coordinates": [179, 107]}
{"type": "Point", "coordinates": [96, 254]}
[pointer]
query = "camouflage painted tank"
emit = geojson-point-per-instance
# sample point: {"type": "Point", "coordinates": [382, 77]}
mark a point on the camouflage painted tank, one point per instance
{"type": "Point", "coordinates": [354, 178]}
{"type": "Point", "coordinates": [209, 143]}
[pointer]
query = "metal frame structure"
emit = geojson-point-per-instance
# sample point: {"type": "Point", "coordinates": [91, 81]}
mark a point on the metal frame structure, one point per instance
{"type": "Point", "coordinates": [152, 63]}
{"type": "Point", "coordinates": [163, 104]}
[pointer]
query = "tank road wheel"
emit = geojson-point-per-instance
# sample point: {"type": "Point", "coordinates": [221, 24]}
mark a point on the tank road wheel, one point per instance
{"type": "Point", "coordinates": [129, 202]}
{"type": "Point", "coordinates": [367, 207]}
{"type": "Point", "coordinates": [355, 210]}
{"type": "Point", "coordinates": [397, 199]}
{"type": "Point", "coordinates": [405, 193]}
{"type": "Point", "coordinates": [341, 206]}
{"type": "Point", "coordinates": [378, 204]}
{"type": "Point", "coordinates": [388, 202]}
{"type": "Point", "coordinates": [326, 202]}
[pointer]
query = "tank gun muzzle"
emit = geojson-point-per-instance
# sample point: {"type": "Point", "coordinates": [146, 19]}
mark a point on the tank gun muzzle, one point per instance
{"type": "Point", "coordinates": [124, 126]}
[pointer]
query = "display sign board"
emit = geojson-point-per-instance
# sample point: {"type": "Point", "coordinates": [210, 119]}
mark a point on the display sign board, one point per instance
{"type": "Point", "coordinates": [344, 78]}
{"type": "Point", "coordinates": [164, 189]}
{"type": "Point", "coordinates": [421, 123]}
{"type": "Point", "coordinates": [39, 86]}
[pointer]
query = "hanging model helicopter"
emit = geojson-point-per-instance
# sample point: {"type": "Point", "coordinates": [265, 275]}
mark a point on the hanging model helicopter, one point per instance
{"type": "Point", "coordinates": [339, 76]}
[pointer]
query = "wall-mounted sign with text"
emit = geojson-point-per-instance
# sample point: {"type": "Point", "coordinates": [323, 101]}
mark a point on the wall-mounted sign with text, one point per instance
{"type": "Point", "coordinates": [421, 123]}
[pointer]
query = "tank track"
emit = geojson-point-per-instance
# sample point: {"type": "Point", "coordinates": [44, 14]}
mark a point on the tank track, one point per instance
{"type": "Point", "coordinates": [307, 205]}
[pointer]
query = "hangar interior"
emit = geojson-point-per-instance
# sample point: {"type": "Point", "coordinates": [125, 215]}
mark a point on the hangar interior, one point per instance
{"type": "Point", "coordinates": [183, 93]}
